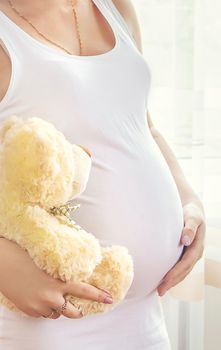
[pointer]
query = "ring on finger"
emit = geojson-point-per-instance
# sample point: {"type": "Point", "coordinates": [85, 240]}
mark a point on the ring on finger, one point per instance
{"type": "Point", "coordinates": [49, 316]}
{"type": "Point", "coordinates": [79, 308]}
{"type": "Point", "coordinates": [63, 307]}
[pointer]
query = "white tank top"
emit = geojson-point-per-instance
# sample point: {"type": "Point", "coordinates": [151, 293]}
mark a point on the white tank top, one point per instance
{"type": "Point", "coordinates": [131, 197]}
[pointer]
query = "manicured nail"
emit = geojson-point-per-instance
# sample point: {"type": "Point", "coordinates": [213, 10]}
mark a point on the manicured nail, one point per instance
{"type": "Point", "coordinates": [108, 300]}
{"type": "Point", "coordinates": [186, 240]}
{"type": "Point", "coordinates": [162, 293]}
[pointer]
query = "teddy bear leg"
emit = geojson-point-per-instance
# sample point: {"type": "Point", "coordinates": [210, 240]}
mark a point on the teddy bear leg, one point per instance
{"type": "Point", "coordinates": [114, 273]}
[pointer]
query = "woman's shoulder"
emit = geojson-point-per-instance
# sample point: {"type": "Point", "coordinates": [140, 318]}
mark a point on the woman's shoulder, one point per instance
{"type": "Point", "coordinates": [128, 11]}
{"type": "Point", "coordinates": [4, 5]}
{"type": "Point", "coordinates": [5, 64]}
{"type": "Point", "coordinates": [5, 71]}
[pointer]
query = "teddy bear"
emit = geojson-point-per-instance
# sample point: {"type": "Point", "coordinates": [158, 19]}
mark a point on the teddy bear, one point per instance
{"type": "Point", "coordinates": [41, 173]}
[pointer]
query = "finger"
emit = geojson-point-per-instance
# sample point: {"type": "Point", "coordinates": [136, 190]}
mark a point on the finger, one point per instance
{"type": "Point", "coordinates": [181, 269]}
{"type": "Point", "coordinates": [41, 310]}
{"type": "Point", "coordinates": [49, 310]}
{"type": "Point", "coordinates": [55, 315]}
{"type": "Point", "coordinates": [51, 314]}
{"type": "Point", "coordinates": [71, 312]}
{"type": "Point", "coordinates": [87, 291]}
{"type": "Point", "coordinates": [189, 231]}
{"type": "Point", "coordinates": [189, 257]}
{"type": "Point", "coordinates": [170, 281]}
{"type": "Point", "coordinates": [177, 273]}
{"type": "Point", "coordinates": [30, 310]}
{"type": "Point", "coordinates": [56, 304]}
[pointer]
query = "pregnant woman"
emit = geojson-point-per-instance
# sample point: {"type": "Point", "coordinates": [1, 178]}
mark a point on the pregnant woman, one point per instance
{"type": "Point", "coordinates": [80, 66]}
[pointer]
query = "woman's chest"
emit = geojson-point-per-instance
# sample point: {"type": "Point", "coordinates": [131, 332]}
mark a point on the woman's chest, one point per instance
{"type": "Point", "coordinates": [81, 95]}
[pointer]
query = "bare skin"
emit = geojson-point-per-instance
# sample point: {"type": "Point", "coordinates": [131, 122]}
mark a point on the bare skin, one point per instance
{"type": "Point", "coordinates": [35, 292]}
{"type": "Point", "coordinates": [46, 15]}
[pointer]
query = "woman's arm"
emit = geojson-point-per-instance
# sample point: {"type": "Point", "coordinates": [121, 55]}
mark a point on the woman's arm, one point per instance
{"type": "Point", "coordinates": [5, 71]}
{"type": "Point", "coordinates": [33, 291]}
{"type": "Point", "coordinates": [194, 230]}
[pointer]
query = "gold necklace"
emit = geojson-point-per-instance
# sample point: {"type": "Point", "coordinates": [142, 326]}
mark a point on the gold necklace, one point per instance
{"type": "Point", "coordinates": [53, 42]}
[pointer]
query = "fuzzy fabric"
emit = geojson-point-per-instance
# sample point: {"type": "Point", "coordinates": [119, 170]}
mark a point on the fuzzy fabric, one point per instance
{"type": "Point", "coordinates": [41, 170]}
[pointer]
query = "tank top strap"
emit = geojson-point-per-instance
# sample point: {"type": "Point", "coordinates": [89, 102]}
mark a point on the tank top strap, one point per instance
{"type": "Point", "coordinates": [4, 45]}
{"type": "Point", "coordinates": [9, 39]}
{"type": "Point", "coordinates": [4, 37]}
{"type": "Point", "coordinates": [118, 21]}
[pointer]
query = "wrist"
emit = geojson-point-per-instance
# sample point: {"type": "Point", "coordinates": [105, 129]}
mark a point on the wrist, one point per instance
{"type": "Point", "coordinates": [188, 195]}
{"type": "Point", "coordinates": [194, 200]}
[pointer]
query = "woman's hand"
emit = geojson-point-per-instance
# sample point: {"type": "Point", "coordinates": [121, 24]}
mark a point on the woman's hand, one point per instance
{"type": "Point", "coordinates": [35, 292]}
{"type": "Point", "coordinates": [193, 236]}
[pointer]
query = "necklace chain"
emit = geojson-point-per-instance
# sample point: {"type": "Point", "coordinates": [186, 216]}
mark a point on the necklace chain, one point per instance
{"type": "Point", "coordinates": [51, 41]}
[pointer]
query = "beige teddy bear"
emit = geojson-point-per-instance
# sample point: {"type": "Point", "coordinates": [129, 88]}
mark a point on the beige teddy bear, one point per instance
{"type": "Point", "coordinates": [40, 173]}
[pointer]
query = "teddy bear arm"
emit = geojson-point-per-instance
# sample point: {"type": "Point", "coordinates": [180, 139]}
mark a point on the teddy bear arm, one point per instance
{"type": "Point", "coordinates": [62, 251]}
{"type": "Point", "coordinates": [115, 273]}
{"type": "Point", "coordinates": [83, 163]}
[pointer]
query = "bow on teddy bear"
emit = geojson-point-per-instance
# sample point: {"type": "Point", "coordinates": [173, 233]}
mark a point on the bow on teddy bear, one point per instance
{"type": "Point", "coordinates": [42, 171]}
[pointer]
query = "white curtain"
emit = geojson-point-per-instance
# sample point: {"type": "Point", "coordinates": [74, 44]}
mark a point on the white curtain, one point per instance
{"type": "Point", "coordinates": [182, 44]}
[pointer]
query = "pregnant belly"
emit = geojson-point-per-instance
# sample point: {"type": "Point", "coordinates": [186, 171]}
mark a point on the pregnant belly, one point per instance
{"type": "Point", "coordinates": [134, 201]}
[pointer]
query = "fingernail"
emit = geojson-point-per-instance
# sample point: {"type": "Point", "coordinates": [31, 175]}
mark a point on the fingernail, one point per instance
{"type": "Point", "coordinates": [108, 300]}
{"type": "Point", "coordinates": [186, 240]}
{"type": "Point", "coordinates": [162, 293]}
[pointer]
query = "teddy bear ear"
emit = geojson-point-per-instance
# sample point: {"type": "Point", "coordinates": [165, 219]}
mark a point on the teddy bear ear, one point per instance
{"type": "Point", "coordinates": [82, 164]}
{"type": "Point", "coordinates": [7, 125]}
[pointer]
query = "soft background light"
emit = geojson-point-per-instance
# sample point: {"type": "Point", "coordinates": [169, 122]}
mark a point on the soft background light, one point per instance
{"type": "Point", "coordinates": [182, 44]}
